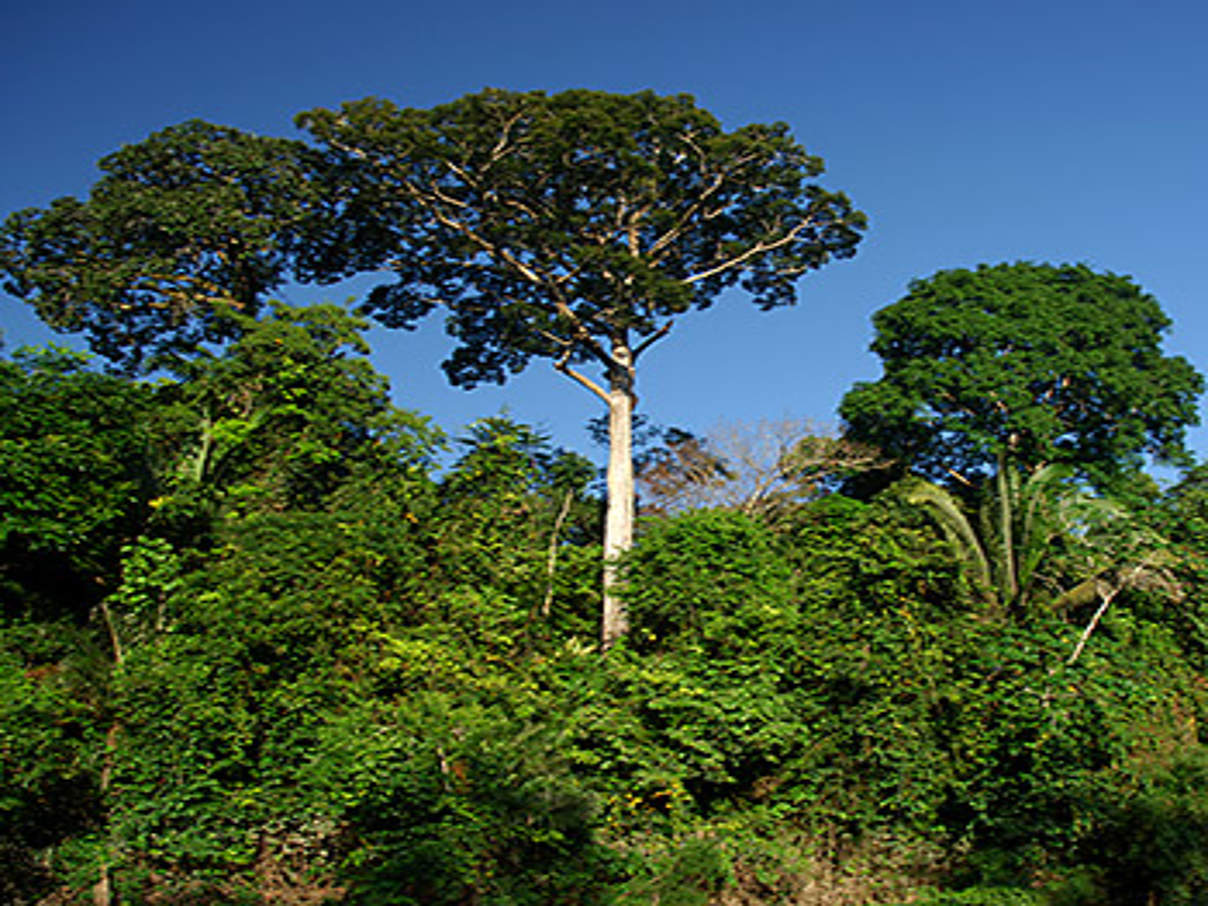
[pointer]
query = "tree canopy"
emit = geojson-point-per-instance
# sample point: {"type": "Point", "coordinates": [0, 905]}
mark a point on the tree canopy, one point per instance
{"type": "Point", "coordinates": [192, 223]}
{"type": "Point", "coordinates": [556, 225]}
{"type": "Point", "coordinates": [1033, 363]}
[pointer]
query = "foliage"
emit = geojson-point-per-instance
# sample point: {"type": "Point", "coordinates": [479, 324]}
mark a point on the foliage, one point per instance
{"type": "Point", "coordinates": [185, 227]}
{"type": "Point", "coordinates": [74, 479]}
{"type": "Point", "coordinates": [550, 224]}
{"type": "Point", "coordinates": [48, 792]}
{"type": "Point", "coordinates": [982, 896]}
{"type": "Point", "coordinates": [292, 413]}
{"type": "Point", "coordinates": [253, 649]}
{"type": "Point", "coordinates": [514, 553]}
{"type": "Point", "coordinates": [711, 580]}
{"type": "Point", "coordinates": [1035, 363]}
{"type": "Point", "coordinates": [1184, 510]}
{"type": "Point", "coordinates": [454, 799]}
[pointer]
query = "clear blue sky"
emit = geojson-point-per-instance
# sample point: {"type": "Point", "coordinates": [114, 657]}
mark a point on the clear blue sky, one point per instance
{"type": "Point", "coordinates": [968, 131]}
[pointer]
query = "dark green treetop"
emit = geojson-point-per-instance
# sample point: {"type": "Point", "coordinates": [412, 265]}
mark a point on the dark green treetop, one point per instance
{"type": "Point", "coordinates": [556, 225]}
{"type": "Point", "coordinates": [1029, 364]}
{"type": "Point", "coordinates": [193, 222]}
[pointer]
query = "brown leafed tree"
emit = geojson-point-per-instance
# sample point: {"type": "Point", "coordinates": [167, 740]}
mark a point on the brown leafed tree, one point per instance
{"type": "Point", "coordinates": [760, 468]}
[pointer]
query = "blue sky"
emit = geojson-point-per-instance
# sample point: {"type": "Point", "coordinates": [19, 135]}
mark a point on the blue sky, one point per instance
{"type": "Point", "coordinates": [968, 131]}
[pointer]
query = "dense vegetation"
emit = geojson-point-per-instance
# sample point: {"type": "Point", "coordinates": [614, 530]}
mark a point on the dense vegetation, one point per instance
{"type": "Point", "coordinates": [266, 637]}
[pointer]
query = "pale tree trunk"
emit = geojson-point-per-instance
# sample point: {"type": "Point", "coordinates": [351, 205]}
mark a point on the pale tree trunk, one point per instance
{"type": "Point", "coordinates": [618, 526]}
{"type": "Point", "coordinates": [618, 522]}
{"type": "Point", "coordinates": [1006, 517]}
{"type": "Point", "coordinates": [102, 890]}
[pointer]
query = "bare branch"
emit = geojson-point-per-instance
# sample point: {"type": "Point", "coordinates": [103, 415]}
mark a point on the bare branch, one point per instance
{"type": "Point", "coordinates": [757, 249]}
{"type": "Point", "coordinates": [587, 382]}
{"type": "Point", "coordinates": [652, 339]}
{"type": "Point", "coordinates": [959, 477]}
{"type": "Point", "coordinates": [460, 171]}
{"type": "Point", "coordinates": [505, 135]}
{"type": "Point", "coordinates": [1107, 599]}
{"type": "Point", "coordinates": [554, 338]}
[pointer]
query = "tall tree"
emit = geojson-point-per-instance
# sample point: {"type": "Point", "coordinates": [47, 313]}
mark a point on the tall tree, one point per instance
{"type": "Point", "coordinates": [192, 223]}
{"type": "Point", "coordinates": [573, 227]}
{"type": "Point", "coordinates": [1027, 365]}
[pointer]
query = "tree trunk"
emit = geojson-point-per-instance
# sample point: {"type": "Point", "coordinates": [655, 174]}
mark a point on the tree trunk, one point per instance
{"type": "Point", "coordinates": [618, 526]}
{"type": "Point", "coordinates": [102, 890]}
{"type": "Point", "coordinates": [1006, 516]}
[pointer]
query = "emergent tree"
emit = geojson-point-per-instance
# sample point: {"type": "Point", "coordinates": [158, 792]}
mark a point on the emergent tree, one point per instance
{"type": "Point", "coordinates": [572, 227]}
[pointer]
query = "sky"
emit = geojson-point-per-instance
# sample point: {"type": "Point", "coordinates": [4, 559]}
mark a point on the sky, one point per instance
{"type": "Point", "coordinates": [967, 131]}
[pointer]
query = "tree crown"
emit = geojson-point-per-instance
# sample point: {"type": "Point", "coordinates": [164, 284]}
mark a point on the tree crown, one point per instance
{"type": "Point", "coordinates": [1036, 363]}
{"type": "Point", "coordinates": [195, 221]}
{"type": "Point", "coordinates": [551, 225]}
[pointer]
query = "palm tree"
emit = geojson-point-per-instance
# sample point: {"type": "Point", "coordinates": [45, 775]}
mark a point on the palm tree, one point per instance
{"type": "Point", "coordinates": [1009, 542]}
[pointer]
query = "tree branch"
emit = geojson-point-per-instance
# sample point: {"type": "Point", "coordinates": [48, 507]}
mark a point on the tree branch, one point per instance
{"type": "Point", "coordinates": [1090, 627]}
{"type": "Point", "coordinates": [652, 339]}
{"type": "Point", "coordinates": [587, 382]}
{"type": "Point", "coordinates": [505, 135]}
{"type": "Point", "coordinates": [757, 249]}
{"type": "Point", "coordinates": [677, 230]}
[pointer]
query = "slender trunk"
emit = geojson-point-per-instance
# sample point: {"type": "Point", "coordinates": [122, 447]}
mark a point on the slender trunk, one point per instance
{"type": "Point", "coordinates": [551, 561]}
{"type": "Point", "coordinates": [618, 522]}
{"type": "Point", "coordinates": [618, 526]}
{"type": "Point", "coordinates": [1006, 530]}
{"type": "Point", "coordinates": [102, 890]}
{"type": "Point", "coordinates": [201, 462]}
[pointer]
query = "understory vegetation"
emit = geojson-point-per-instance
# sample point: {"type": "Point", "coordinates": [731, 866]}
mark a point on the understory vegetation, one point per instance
{"type": "Point", "coordinates": [258, 647]}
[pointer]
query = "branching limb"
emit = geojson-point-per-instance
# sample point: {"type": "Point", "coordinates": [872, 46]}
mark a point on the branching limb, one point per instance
{"type": "Point", "coordinates": [758, 249]}
{"type": "Point", "coordinates": [562, 364]}
{"type": "Point", "coordinates": [652, 339]}
{"type": "Point", "coordinates": [684, 219]}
